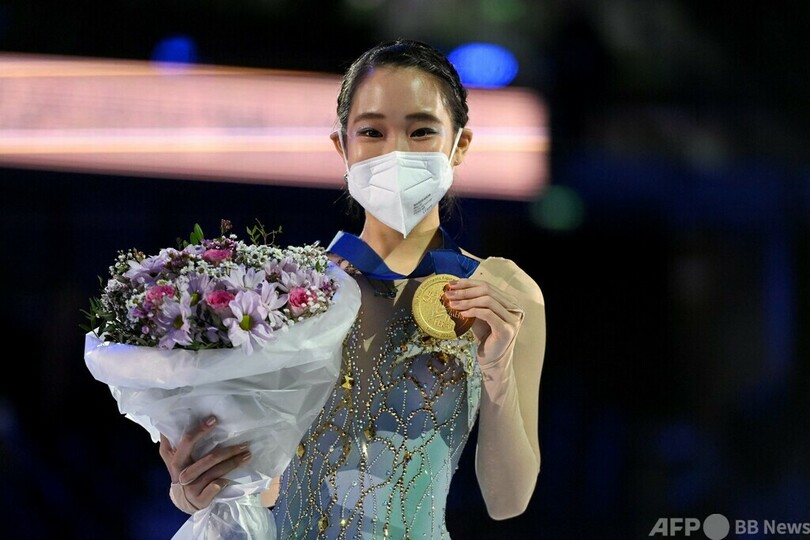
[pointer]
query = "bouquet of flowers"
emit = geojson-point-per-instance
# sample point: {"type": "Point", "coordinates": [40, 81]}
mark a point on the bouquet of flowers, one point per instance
{"type": "Point", "coordinates": [249, 332]}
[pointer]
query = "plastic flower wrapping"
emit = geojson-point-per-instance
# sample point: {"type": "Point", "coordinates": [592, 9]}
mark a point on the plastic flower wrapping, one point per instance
{"type": "Point", "coordinates": [249, 332]}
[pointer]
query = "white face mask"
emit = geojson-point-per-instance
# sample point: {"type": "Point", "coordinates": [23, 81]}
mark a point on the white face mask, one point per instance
{"type": "Point", "coordinates": [400, 188]}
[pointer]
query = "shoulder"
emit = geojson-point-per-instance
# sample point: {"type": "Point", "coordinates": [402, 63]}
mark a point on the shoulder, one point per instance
{"type": "Point", "coordinates": [506, 274]}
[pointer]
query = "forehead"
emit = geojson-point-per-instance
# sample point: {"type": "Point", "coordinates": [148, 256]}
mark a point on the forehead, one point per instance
{"type": "Point", "coordinates": [398, 92]}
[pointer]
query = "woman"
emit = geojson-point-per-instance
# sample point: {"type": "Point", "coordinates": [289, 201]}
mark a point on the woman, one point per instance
{"type": "Point", "coordinates": [379, 459]}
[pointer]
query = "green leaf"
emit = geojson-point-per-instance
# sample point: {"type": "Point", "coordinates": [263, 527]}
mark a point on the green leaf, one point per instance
{"type": "Point", "coordinates": [197, 235]}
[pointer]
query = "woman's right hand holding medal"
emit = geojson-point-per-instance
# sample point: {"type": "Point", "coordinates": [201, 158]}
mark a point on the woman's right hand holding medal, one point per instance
{"type": "Point", "coordinates": [196, 483]}
{"type": "Point", "coordinates": [497, 316]}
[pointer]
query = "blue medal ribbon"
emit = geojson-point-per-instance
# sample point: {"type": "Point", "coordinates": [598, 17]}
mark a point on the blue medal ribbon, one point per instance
{"type": "Point", "coordinates": [447, 260]}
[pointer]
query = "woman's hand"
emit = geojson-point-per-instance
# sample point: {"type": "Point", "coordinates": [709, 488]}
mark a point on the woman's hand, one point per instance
{"type": "Point", "coordinates": [196, 483]}
{"type": "Point", "coordinates": [497, 315]}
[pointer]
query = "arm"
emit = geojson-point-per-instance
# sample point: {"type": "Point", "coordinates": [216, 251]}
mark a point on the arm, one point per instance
{"type": "Point", "coordinates": [511, 352]}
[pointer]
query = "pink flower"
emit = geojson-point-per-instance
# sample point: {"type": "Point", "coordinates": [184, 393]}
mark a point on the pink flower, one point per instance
{"type": "Point", "coordinates": [219, 300]}
{"type": "Point", "coordinates": [158, 293]}
{"type": "Point", "coordinates": [216, 256]}
{"type": "Point", "coordinates": [299, 299]}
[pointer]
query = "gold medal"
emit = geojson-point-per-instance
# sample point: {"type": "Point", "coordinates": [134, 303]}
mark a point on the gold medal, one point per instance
{"type": "Point", "coordinates": [431, 312]}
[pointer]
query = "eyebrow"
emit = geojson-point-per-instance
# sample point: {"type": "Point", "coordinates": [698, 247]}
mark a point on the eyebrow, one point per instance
{"type": "Point", "coordinates": [427, 117]}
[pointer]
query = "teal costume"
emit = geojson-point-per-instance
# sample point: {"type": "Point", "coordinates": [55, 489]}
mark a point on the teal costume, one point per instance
{"type": "Point", "coordinates": [378, 460]}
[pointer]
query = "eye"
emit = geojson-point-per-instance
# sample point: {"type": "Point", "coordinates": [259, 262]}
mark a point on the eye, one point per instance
{"type": "Point", "coordinates": [423, 132]}
{"type": "Point", "coordinates": [369, 132]}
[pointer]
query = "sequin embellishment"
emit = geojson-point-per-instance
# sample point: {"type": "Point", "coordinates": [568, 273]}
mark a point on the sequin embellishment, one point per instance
{"type": "Point", "coordinates": [380, 456]}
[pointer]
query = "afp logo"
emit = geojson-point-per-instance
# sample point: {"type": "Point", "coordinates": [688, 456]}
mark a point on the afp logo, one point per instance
{"type": "Point", "coordinates": [715, 527]}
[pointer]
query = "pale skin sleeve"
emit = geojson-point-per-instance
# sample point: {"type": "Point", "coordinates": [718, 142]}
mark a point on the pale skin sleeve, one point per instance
{"type": "Point", "coordinates": [507, 460]}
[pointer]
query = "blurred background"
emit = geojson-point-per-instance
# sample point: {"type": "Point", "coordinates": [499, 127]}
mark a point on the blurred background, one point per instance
{"type": "Point", "coordinates": [667, 221]}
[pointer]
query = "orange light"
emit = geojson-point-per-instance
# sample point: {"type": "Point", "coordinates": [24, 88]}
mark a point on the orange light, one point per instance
{"type": "Point", "coordinates": [231, 124]}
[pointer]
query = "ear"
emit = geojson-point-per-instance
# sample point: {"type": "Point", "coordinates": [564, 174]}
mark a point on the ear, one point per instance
{"type": "Point", "coordinates": [336, 142]}
{"type": "Point", "coordinates": [464, 141]}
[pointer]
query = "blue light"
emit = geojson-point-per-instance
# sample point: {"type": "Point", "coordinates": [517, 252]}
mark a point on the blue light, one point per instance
{"type": "Point", "coordinates": [177, 49]}
{"type": "Point", "coordinates": [484, 65]}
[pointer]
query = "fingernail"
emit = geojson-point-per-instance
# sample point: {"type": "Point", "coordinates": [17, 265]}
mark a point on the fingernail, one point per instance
{"type": "Point", "coordinates": [452, 283]}
{"type": "Point", "coordinates": [247, 456]}
{"type": "Point", "coordinates": [211, 421]}
{"type": "Point", "coordinates": [244, 447]}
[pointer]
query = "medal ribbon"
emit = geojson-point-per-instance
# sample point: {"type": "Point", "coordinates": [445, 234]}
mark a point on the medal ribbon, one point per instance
{"type": "Point", "coordinates": [447, 260]}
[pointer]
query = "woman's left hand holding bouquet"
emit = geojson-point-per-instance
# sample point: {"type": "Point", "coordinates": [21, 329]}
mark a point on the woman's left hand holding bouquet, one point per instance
{"type": "Point", "coordinates": [196, 483]}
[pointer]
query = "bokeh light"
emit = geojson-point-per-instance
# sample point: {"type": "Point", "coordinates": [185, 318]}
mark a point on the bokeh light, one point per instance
{"type": "Point", "coordinates": [560, 208]}
{"type": "Point", "coordinates": [484, 65]}
{"type": "Point", "coordinates": [175, 49]}
{"type": "Point", "coordinates": [502, 11]}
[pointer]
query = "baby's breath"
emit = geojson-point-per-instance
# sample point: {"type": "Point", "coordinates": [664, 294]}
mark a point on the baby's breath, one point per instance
{"type": "Point", "coordinates": [193, 296]}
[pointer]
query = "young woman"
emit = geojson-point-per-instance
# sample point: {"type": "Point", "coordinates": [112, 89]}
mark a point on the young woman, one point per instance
{"type": "Point", "coordinates": [379, 459]}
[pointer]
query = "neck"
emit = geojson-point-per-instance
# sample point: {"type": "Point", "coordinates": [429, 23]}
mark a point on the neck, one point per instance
{"type": "Point", "coordinates": [402, 254]}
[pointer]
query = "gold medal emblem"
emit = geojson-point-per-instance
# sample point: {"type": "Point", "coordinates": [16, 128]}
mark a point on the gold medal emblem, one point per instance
{"type": "Point", "coordinates": [431, 312]}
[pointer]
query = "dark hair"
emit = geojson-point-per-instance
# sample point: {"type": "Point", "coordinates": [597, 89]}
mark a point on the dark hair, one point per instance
{"type": "Point", "coordinates": [405, 53]}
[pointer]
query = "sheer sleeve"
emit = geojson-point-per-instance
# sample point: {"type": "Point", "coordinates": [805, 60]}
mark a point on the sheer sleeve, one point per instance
{"type": "Point", "coordinates": [508, 449]}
